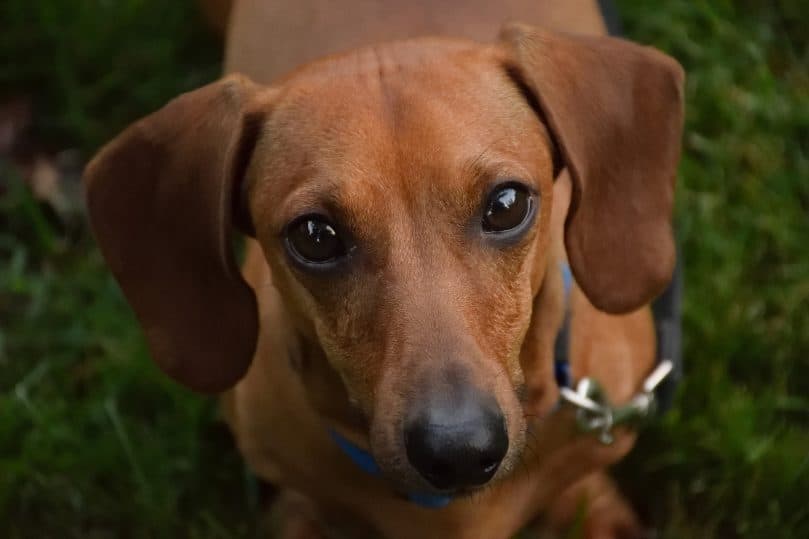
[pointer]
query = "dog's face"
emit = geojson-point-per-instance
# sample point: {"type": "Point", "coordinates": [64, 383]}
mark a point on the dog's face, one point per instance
{"type": "Point", "coordinates": [402, 197]}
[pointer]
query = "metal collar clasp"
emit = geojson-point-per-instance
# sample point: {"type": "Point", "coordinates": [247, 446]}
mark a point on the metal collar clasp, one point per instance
{"type": "Point", "coordinates": [595, 414]}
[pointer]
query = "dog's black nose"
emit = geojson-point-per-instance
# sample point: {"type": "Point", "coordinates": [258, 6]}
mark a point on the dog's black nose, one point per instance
{"type": "Point", "coordinates": [456, 441]}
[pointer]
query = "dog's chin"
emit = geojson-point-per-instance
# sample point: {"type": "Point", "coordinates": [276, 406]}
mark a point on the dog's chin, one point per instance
{"type": "Point", "coordinates": [405, 485]}
{"type": "Point", "coordinates": [406, 488]}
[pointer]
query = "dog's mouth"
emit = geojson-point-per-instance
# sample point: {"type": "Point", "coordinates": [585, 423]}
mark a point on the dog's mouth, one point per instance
{"type": "Point", "coordinates": [423, 492]}
{"type": "Point", "coordinates": [433, 476]}
{"type": "Point", "coordinates": [441, 480]}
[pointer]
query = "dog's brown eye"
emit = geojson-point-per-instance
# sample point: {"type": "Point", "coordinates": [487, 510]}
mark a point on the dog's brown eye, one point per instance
{"type": "Point", "coordinates": [314, 240]}
{"type": "Point", "coordinates": [508, 207]}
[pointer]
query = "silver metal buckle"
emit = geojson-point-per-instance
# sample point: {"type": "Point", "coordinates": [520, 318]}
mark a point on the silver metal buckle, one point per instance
{"type": "Point", "coordinates": [595, 414]}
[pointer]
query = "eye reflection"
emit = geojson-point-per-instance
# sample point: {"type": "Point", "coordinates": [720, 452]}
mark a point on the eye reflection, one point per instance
{"type": "Point", "coordinates": [508, 207]}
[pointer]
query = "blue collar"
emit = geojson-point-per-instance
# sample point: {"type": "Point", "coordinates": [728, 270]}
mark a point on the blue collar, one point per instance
{"type": "Point", "coordinates": [366, 462]}
{"type": "Point", "coordinates": [561, 365]}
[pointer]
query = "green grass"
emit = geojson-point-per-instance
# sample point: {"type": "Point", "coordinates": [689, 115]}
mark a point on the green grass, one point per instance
{"type": "Point", "coordinates": [96, 442]}
{"type": "Point", "coordinates": [733, 458]}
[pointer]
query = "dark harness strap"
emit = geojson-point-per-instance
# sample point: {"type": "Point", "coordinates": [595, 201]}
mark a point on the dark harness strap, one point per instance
{"type": "Point", "coordinates": [611, 17]}
{"type": "Point", "coordinates": [668, 309]}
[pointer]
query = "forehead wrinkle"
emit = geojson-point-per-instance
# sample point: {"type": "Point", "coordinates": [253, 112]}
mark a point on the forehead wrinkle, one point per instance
{"type": "Point", "coordinates": [351, 153]}
{"type": "Point", "coordinates": [448, 183]}
{"type": "Point", "coordinates": [419, 139]}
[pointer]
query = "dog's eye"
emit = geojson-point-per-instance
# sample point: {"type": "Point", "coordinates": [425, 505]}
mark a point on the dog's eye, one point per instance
{"type": "Point", "coordinates": [313, 239]}
{"type": "Point", "coordinates": [508, 207]}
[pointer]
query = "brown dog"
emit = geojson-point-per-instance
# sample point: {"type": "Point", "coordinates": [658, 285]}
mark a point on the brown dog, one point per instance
{"type": "Point", "coordinates": [410, 206]}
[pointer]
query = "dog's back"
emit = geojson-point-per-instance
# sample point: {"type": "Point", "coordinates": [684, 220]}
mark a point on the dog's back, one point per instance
{"type": "Point", "coordinates": [266, 39]}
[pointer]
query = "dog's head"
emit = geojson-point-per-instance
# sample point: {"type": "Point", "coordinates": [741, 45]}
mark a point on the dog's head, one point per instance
{"type": "Point", "coordinates": [402, 197]}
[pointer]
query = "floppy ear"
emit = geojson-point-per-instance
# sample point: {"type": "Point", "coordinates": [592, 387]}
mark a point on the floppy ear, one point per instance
{"type": "Point", "coordinates": [615, 110]}
{"type": "Point", "coordinates": [160, 198]}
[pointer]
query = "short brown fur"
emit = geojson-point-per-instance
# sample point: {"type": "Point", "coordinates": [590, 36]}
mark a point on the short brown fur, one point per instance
{"type": "Point", "coordinates": [400, 143]}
